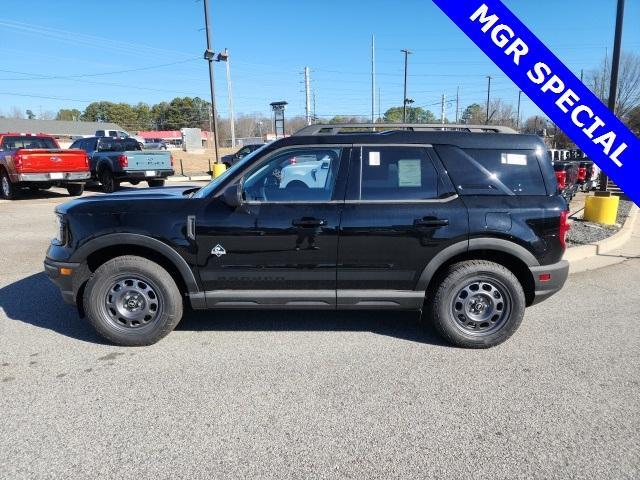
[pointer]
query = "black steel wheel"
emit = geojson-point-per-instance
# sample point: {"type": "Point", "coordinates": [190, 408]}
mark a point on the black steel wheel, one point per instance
{"type": "Point", "coordinates": [476, 304]}
{"type": "Point", "coordinates": [132, 301]}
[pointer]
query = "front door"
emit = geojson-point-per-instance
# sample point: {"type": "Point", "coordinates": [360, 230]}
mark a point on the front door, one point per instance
{"type": "Point", "coordinates": [279, 248]}
{"type": "Point", "coordinates": [400, 211]}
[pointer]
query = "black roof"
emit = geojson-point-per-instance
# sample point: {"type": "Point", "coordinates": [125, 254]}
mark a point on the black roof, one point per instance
{"type": "Point", "coordinates": [458, 139]}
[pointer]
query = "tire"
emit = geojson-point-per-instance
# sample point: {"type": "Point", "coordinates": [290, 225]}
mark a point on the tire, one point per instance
{"type": "Point", "coordinates": [7, 190]}
{"type": "Point", "coordinates": [108, 181]}
{"type": "Point", "coordinates": [75, 189]}
{"type": "Point", "coordinates": [131, 289]}
{"type": "Point", "coordinates": [156, 183]}
{"type": "Point", "coordinates": [134, 182]}
{"type": "Point", "coordinates": [477, 304]}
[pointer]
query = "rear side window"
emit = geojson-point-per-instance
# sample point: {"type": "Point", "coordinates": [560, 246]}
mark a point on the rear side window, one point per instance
{"type": "Point", "coordinates": [12, 143]}
{"type": "Point", "coordinates": [493, 171]}
{"type": "Point", "coordinates": [397, 173]}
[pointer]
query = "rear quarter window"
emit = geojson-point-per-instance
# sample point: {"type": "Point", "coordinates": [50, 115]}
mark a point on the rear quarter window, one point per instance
{"type": "Point", "coordinates": [493, 171]}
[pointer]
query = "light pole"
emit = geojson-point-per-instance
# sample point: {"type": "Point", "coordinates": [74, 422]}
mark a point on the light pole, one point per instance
{"type": "Point", "coordinates": [209, 57]}
{"type": "Point", "coordinates": [518, 119]}
{"type": "Point", "coordinates": [488, 98]}
{"type": "Point", "coordinates": [224, 57]}
{"type": "Point", "coordinates": [613, 85]}
{"type": "Point", "coordinates": [404, 100]}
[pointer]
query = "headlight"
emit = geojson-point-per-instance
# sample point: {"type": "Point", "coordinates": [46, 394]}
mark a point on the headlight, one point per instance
{"type": "Point", "coordinates": [61, 230]}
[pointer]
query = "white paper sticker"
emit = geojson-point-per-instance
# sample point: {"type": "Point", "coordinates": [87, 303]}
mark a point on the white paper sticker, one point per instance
{"type": "Point", "coordinates": [409, 173]}
{"type": "Point", "coordinates": [513, 159]}
{"type": "Point", "coordinates": [374, 159]}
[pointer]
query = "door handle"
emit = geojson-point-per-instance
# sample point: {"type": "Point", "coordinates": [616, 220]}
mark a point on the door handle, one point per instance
{"type": "Point", "coordinates": [430, 222]}
{"type": "Point", "coordinates": [308, 222]}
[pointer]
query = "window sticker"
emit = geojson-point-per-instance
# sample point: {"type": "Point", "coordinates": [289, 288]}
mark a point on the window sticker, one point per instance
{"type": "Point", "coordinates": [374, 159]}
{"type": "Point", "coordinates": [409, 173]}
{"type": "Point", "coordinates": [513, 159]}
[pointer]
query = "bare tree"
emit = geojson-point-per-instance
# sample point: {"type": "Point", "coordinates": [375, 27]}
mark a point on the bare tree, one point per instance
{"type": "Point", "coordinates": [15, 112]}
{"type": "Point", "coordinates": [628, 83]}
{"type": "Point", "coordinates": [501, 113]}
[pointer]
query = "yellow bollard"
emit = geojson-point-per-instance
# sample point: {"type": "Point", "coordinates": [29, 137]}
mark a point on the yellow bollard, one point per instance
{"type": "Point", "coordinates": [601, 209]}
{"type": "Point", "coordinates": [218, 169]}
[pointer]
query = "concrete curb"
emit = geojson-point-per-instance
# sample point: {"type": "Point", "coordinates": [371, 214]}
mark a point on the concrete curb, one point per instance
{"type": "Point", "coordinates": [187, 178]}
{"type": "Point", "coordinates": [576, 254]}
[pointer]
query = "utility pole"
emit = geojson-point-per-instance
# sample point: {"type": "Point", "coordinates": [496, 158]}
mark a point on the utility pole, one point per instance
{"type": "Point", "coordinates": [444, 97]}
{"type": "Point", "coordinates": [488, 97]}
{"type": "Point", "coordinates": [582, 75]}
{"type": "Point", "coordinates": [315, 118]}
{"type": "Point", "coordinates": [373, 78]}
{"type": "Point", "coordinates": [457, 103]}
{"type": "Point", "coordinates": [209, 56]}
{"type": "Point", "coordinates": [307, 95]}
{"type": "Point", "coordinates": [379, 102]}
{"type": "Point", "coordinates": [404, 100]}
{"type": "Point", "coordinates": [613, 84]}
{"type": "Point", "coordinates": [518, 119]}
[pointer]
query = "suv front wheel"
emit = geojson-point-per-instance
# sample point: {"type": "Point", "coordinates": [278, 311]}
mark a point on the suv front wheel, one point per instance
{"type": "Point", "coordinates": [132, 301]}
{"type": "Point", "coordinates": [477, 304]}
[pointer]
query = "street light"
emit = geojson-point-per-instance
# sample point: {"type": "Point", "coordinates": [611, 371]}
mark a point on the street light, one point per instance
{"type": "Point", "coordinates": [404, 98]}
{"type": "Point", "coordinates": [224, 57]}
{"type": "Point", "coordinates": [209, 57]}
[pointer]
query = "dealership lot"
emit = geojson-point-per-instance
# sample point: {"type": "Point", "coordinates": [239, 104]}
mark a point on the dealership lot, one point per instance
{"type": "Point", "coordinates": [313, 394]}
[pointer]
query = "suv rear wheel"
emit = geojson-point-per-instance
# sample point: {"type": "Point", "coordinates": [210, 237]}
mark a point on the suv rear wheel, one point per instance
{"type": "Point", "coordinates": [132, 301]}
{"type": "Point", "coordinates": [478, 304]}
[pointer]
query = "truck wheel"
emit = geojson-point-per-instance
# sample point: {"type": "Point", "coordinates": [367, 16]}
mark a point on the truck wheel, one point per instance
{"type": "Point", "coordinates": [108, 181]}
{"type": "Point", "coordinates": [477, 304]}
{"type": "Point", "coordinates": [75, 189]}
{"type": "Point", "coordinates": [156, 183]}
{"type": "Point", "coordinates": [8, 191]}
{"type": "Point", "coordinates": [132, 301]}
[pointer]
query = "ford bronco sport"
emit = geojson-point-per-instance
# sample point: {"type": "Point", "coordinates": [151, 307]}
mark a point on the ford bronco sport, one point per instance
{"type": "Point", "coordinates": [466, 226]}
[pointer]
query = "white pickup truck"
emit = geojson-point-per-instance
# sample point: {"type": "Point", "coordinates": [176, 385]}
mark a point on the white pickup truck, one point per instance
{"type": "Point", "coordinates": [306, 171]}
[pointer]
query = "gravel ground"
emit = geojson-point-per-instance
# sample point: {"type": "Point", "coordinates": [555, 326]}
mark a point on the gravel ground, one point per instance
{"type": "Point", "coordinates": [584, 233]}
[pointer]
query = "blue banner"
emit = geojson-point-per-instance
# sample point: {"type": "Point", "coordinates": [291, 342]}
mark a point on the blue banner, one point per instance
{"type": "Point", "coordinates": [552, 87]}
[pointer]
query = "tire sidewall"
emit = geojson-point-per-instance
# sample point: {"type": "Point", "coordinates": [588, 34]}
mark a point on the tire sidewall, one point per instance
{"type": "Point", "coordinates": [102, 281]}
{"type": "Point", "coordinates": [10, 193]}
{"type": "Point", "coordinates": [456, 278]}
{"type": "Point", "coordinates": [108, 181]}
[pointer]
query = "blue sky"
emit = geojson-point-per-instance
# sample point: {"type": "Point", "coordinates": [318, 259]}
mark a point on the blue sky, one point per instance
{"type": "Point", "coordinates": [156, 46]}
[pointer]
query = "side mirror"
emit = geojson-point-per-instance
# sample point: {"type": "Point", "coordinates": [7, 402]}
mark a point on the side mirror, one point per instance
{"type": "Point", "coordinates": [232, 195]}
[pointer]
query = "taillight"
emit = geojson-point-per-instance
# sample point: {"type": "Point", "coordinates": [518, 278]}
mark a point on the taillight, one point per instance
{"type": "Point", "coordinates": [17, 162]}
{"type": "Point", "coordinates": [561, 177]}
{"type": "Point", "coordinates": [86, 161]}
{"type": "Point", "coordinates": [124, 161]}
{"type": "Point", "coordinates": [564, 228]}
{"type": "Point", "coordinates": [582, 174]}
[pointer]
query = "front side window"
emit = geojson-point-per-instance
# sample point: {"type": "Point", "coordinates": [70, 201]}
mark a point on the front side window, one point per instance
{"type": "Point", "coordinates": [397, 173]}
{"type": "Point", "coordinates": [297, 175]}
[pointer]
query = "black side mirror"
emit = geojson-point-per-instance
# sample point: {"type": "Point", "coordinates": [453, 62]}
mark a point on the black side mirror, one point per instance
{"type": "Point", "coordinates": [232, 195]}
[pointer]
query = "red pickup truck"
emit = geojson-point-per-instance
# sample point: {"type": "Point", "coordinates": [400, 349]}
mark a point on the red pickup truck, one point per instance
{"type": "Point", "coordinates": [36, 161]}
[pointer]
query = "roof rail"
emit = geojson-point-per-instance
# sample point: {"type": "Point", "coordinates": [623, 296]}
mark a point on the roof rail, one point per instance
{"type": "Point", "coordinates": [335, 129]}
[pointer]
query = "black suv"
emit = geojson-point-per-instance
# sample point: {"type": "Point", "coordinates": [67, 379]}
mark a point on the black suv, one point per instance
{"type": "Point", "coordinates": [466, 226]}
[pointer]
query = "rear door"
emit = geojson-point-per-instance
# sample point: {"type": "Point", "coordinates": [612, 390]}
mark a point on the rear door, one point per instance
{"type": "Point", "coordinates": [400, 211]}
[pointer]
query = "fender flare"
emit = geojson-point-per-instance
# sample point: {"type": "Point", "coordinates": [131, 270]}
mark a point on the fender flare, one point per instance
{"type": "Point", "coordinates": [486, 243]}
{"type": "Point", "coordinates": [159, 247]}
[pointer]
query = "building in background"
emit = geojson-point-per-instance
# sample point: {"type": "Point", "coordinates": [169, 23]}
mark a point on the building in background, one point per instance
{"type": "Point", "coordinates": [64, 131]}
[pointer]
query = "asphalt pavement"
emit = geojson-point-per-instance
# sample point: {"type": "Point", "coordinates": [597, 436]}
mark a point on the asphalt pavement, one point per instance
{"type": "Point", "coordinates": [313, 394]}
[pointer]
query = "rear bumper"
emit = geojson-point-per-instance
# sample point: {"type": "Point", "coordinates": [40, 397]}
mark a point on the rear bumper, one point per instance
{"type": "Point", "coordinates": [142, 174]}
{"type": "Point", "coordinates": [63, 282]}
{"type": "Point", "coordinates": [549, 279]}
{"type": "Point", "coordinates": [55, 177]}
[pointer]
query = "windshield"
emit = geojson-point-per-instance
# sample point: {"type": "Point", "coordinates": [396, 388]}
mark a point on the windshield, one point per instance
{"type": "Point", "coordinates": [213, 184]}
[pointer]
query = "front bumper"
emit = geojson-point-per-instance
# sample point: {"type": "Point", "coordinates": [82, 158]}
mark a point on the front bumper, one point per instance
{"type": "Point", "coordinates": [549, 279]}
{"type": "Point", "coordinates": [54, 177]}
{"type": "Point", "coordinates": [142, 174]}
{"type": "Point", "coordinates": [65, 283]}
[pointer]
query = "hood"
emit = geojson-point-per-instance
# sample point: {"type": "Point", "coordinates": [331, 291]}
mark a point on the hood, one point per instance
{"type": "Point", "coordinates": [151, 200]}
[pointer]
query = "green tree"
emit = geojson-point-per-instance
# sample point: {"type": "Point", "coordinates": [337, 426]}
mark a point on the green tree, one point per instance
{"type": "Point", "coordinates": [30, 115]}
{"type": "Point", "coordinates": [474, 114]}
{"type": "Point", "coordinates": [68, 114]}
{"type": "Point", "coordinates": [414, 115]}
